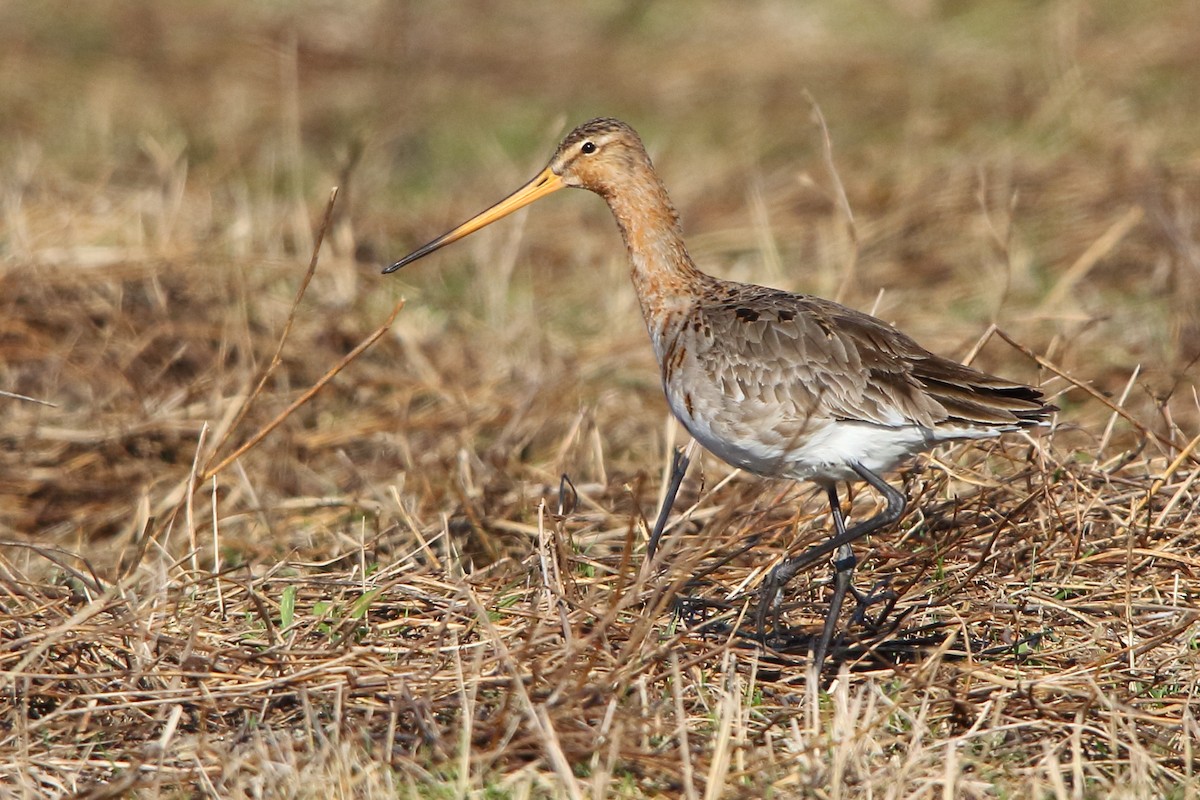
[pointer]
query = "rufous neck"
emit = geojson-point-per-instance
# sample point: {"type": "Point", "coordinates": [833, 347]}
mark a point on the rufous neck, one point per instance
{"type": "Point", "coordinates": [663, 272]}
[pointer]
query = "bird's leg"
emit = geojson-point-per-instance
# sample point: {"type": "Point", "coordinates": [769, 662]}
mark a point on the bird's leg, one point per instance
{"type": "Point", "coordinates": [790, 567]}
{"type": "Point", "coordinates": [684, 606]}
{"type": "Point", "coordinates": [679, 465]}
{"type": "Point", "coordinates": [843, 564]}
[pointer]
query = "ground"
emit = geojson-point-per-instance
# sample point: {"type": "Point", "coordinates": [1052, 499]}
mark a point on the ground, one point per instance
{"type": "Point", "coordinates": [426, 578]}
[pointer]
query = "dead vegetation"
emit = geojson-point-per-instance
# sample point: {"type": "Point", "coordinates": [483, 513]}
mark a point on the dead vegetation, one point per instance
{"type": "Point", "coordinates": [396, 591]}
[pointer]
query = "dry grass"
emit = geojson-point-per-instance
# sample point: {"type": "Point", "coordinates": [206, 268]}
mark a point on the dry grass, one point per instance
{"type": "Point", "coordinates": [395, 592]}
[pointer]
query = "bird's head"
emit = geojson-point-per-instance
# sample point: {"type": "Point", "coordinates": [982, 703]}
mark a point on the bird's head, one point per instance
{"type": "Point", "coordinates": [598, 155]}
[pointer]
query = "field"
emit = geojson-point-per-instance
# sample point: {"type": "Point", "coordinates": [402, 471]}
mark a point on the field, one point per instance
{"type": "Point", "coordinates": [358, 535]}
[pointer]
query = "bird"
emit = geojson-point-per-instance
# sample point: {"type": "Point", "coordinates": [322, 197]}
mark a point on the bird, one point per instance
{"type": "Point", "coordinates": [779, 384]}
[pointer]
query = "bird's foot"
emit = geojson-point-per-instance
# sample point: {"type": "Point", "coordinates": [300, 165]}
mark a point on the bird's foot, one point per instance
{"type": "Point", "coordinates": [881, 592]}
{"type": "Point", "coordinates": [704, 615]}
{"type": "Point", "coordinates": [770, 629]}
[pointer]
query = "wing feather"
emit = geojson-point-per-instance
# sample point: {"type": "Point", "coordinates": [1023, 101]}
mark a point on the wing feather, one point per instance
{"type": "Point", "coordinates": [807, 358]}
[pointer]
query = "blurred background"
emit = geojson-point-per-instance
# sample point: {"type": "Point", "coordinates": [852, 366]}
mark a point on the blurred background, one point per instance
{"type": "Point", "coordinates": [163, 168]}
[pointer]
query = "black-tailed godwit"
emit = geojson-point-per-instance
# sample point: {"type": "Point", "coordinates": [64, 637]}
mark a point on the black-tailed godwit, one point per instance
{"type": "Point", "coordinates": [782, 385]}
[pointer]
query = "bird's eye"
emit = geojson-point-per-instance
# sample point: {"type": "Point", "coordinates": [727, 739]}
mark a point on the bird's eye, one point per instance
{"type": "Point", "coordinates": [587, 148]}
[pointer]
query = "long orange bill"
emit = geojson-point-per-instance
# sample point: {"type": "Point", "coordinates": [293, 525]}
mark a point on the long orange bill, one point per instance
{"type": "Point", "coordinates": [545, 183]}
